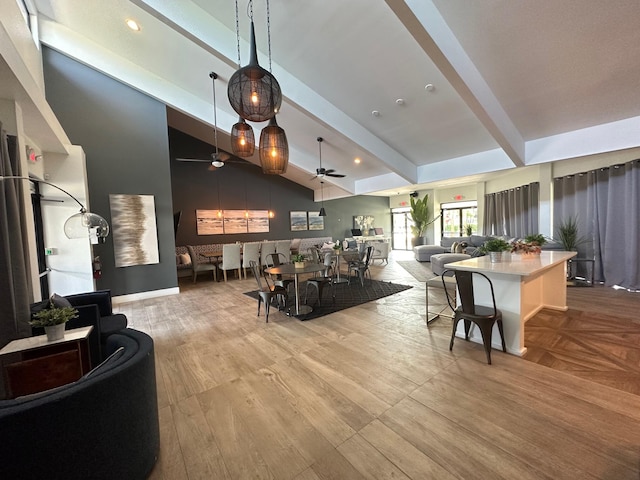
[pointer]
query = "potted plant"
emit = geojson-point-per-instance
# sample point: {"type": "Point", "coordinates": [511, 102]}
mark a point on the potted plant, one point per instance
{"type": "Point", "coordinates": [298, 260]}
{"type": "Point", "coordinates": [495, 247]}
{"type": "Point", "coordinates": [421, 216]}
{"type": "Point", "coordinates": [531, 245]}
{"type": "Point", "coordinates": [338, 245]}
{"type": "Point", "coordinates": [567, 234]}
{"type": "Point", "coordinates": [468, 229]}
{"type": "Point", "coordinates": [53, 320]}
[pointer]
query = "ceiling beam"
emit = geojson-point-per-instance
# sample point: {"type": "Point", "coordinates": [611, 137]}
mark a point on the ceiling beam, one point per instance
{"type": "Point", "coordinates": [425, 23]}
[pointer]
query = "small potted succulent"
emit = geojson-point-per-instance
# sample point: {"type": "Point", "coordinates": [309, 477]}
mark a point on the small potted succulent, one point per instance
{"type": "Point", "coordinates": [298, 260]}
{"type": "Point", "coordinates": [53, 320]}
{"type": "Point", "coordinates": [495, 248]}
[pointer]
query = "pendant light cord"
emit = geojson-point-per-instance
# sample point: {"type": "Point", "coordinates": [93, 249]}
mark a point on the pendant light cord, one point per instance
{"type": "Point", "coordinates": [213, 76]}
{"type": "Point", "coordinates": [269, 34]}
{"type": "Point", "coordinates": [238, 34]}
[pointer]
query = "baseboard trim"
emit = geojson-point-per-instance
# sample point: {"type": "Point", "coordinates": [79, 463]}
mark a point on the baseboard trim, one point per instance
{"type": "Point", "coordinates": [132, 297]}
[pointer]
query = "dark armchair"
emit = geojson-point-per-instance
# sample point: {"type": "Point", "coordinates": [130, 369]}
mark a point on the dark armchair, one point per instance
{"type": "Point", "coordinates": [94, 309]}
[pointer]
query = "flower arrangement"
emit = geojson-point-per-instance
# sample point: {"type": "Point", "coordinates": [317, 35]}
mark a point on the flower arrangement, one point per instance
{"type": "Point", "coordinates": [532, 244]}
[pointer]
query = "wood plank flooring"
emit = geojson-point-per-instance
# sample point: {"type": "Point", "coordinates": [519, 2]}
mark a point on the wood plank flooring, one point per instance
{"type": "Point", "coordinates": [367, 393]}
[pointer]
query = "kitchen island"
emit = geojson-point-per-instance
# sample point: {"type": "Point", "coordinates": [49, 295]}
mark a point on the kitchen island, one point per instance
{"type": "Point", "coordinates": [523, 286]}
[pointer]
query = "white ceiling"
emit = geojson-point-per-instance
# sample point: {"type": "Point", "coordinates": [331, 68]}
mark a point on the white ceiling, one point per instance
{"type": "Point", "coordinates": [515, 83]}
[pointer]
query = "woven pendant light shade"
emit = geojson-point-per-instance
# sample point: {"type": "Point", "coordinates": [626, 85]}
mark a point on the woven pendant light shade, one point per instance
{"type": "Point", "coordinates": [274, 149]}
{"type": "Point", "coordinates": [254, 93]}
{"type": "Point", "coordinates": [243, 142]}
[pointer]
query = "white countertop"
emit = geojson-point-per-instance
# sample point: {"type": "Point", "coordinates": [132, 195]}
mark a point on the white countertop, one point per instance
{"type": "Point", "coordinates": [521, 265]}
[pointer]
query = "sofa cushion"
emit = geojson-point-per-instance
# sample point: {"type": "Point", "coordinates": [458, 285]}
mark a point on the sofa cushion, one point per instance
{"type": "Point", "coordinates": [446, 242]}
{"type": "Point", "coordinates": [59, 302]}
{"type": "Point", "coordinates": [477, 240]}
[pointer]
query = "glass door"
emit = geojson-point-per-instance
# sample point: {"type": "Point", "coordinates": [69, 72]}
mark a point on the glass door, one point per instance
{"type": "Point", "coordinates": [401, 228]}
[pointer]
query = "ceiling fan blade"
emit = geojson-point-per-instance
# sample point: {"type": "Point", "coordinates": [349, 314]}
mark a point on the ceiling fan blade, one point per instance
{"type": "Point", "coordinates": [336, 175]}
{"type": "Point", "coordinates": [193, 160]}
{"type": "Point", "coordinates": [221, 156]}
{"type": "Point", "coordinates": [212, 168]}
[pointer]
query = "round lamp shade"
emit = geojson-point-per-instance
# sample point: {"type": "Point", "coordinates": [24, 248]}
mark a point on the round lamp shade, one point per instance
{"type": "Point", "coordinates": [253, 92]}
{"type": "Point", "coordinates": [274, 149]}
{"type": "Point", "coordinates": [83, 224]}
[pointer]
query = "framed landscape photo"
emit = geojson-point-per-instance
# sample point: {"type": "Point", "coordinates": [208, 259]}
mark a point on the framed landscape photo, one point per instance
{"type": "Point", "coordinates": [316, 222]}
{"type": "Point", "coordinates": [235, 221]}
{"type": "Point", "coordinates": [298, 221]}
{"type": "Point", "coordinates": [209, 222]}
{"type": "Point", "coordinates": [258, 221]}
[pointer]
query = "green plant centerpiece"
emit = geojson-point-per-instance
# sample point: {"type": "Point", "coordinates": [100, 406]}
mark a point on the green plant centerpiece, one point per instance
{"type": "Point", "coordinates": [298, 260]}
{"type": "Point", "coordinates": [53, 320]}
{"type": "Point", "coordinates": [495, 247]}
{"type": "Point", "coordinates": [421, 216]}
{"type": "Point", "coordinates": [468, 229]}
{"type": "Point", "coordinates": [567, 234]}
{"type": "Point", "coordinates": [338, 245]}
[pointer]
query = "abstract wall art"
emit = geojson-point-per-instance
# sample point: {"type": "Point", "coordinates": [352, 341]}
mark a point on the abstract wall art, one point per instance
{"type": "Point", "coordinates": [135, 235]}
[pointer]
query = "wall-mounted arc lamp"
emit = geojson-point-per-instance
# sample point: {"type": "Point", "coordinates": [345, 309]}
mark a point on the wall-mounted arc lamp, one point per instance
{"type": "Point", "coordinates": [81, 225]}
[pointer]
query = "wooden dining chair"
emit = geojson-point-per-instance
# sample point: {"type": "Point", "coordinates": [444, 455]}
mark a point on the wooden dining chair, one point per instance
{"type": "Point", "coordinates": [484, 317]}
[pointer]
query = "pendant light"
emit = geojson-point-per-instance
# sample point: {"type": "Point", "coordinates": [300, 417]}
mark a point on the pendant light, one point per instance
{"type": "Point", "coordinates": [274, 148]}
{"type": "Point", "coordinates": [254, 93]}
{"type": "Point", "coordinates": [243, 142]}
{"type": "Point", "coordinates": [322, 212]}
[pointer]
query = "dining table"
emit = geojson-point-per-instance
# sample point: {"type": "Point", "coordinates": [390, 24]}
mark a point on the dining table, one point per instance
{"type": "Point", "coordinates": [290, 269]}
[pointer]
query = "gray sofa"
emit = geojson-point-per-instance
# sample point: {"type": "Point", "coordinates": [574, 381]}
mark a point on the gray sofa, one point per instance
{"type": "Point", "coordinates": [103, 426]}
{"type": "Point", "coordinates": [423, 253]}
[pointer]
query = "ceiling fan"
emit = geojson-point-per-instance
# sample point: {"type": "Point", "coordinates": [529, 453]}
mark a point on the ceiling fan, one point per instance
{"type": "Point", "coordinates": [218, 158]}
{"type": "Point", "coordinates": [324, 172]}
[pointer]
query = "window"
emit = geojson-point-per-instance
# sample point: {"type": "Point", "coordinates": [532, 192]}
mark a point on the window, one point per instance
{"type": "Point", "coordinates": [458, 217]}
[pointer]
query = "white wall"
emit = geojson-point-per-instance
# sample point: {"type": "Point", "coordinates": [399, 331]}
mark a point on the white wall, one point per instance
{"type": "Point", "coordinates": [71, 269]}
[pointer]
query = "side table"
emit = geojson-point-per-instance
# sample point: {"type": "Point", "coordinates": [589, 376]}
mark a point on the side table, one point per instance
{"type": "Point", "coordinates": [34, 364]}
{"type": "Point", "coordinates": [573, 280]}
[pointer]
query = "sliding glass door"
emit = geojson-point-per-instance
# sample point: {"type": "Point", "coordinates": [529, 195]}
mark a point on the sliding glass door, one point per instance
{"type": "Point", "coordinates": [401, 227]}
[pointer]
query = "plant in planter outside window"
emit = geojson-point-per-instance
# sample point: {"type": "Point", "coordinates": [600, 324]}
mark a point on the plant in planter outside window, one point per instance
{"type": "Point", "coordinates": [53, 320]}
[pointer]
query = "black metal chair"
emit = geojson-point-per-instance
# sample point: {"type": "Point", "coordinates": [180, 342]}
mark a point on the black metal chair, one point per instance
{"type": "Point", "coordinates": [267, 293]}
{"type": "Point", "coordinates": [361, 267]}
{"type": "Point", "coordinates": [275, 260]}
{"type": "Point", "coordinates": [484, 317]}
{"type": "Point", "coordinates": [320, 282]}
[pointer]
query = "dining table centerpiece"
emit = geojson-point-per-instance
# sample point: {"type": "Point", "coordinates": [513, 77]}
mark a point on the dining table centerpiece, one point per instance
{"type": "Point", "coordinates": [298, 260]}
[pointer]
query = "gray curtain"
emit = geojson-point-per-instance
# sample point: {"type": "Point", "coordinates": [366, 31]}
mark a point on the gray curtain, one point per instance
{"type": "Point", "coordinates": [606, 203]}
{"type": "Point", "coordinates": [513, 212]}
{"type": "Point", "coordinates": [14, 280]}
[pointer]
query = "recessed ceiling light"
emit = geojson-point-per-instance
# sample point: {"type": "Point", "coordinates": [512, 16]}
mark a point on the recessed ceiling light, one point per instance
{"type": "Point", "coordinates": [400, 101]}
{"type": "Point", "coordinates": [357, 160]}
{"type": "Point", "coordinates": [429, 87]}
{"type": "Point", "coordinates": [375, 113]}
{"type": "Point", "coordinates": [133, 25]}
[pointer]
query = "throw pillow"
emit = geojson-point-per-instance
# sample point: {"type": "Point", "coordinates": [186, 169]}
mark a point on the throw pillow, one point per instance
{"type": "Point", "coordinates": [59, 302]}
{"type": "Point", "coordinates": [105, 364]}
{"type": "Point", "coordinates": [327, 246]}
{"type": "Point", "coordinates": [185, 259]}
{"type": "Point", "coordinates": [454, 247]}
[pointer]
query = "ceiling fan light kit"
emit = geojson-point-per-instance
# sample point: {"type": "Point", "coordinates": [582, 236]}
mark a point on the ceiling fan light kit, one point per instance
{"type": "Point", "coordinates": [324, 172]}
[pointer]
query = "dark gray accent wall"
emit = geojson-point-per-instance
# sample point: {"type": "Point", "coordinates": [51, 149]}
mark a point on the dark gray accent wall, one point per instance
{"type": "Point", "coordinates": [245, 187]}
{"type": "Point", "coordinates": [124, 135]}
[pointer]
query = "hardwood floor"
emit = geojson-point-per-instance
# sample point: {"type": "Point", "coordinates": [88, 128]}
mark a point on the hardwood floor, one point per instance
{"type": "Point", "coordinates": [368, 392]}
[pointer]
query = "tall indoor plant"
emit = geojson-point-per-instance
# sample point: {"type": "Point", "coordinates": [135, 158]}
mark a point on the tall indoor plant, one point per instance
{"type": "Point", "coordinates": [421, 216]}
{"type": "Point", "coordinates": [567, 234]}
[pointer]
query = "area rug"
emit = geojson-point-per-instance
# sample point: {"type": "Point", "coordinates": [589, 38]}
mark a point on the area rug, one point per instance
{"type": "Point", "coordinates": [421, 271]}
{"type": "Point", "coordinates": [346, 296]}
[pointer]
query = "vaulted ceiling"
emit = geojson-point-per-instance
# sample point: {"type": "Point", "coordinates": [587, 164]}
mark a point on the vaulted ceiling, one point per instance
{"type": "Point", "coordinates": [510, 83]}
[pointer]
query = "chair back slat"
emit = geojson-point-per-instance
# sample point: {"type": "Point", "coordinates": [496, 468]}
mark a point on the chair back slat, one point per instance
{"type": "Point", "coordinates": [253, 266]}
{"type": "Point", "coordinates": [464, 281]}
